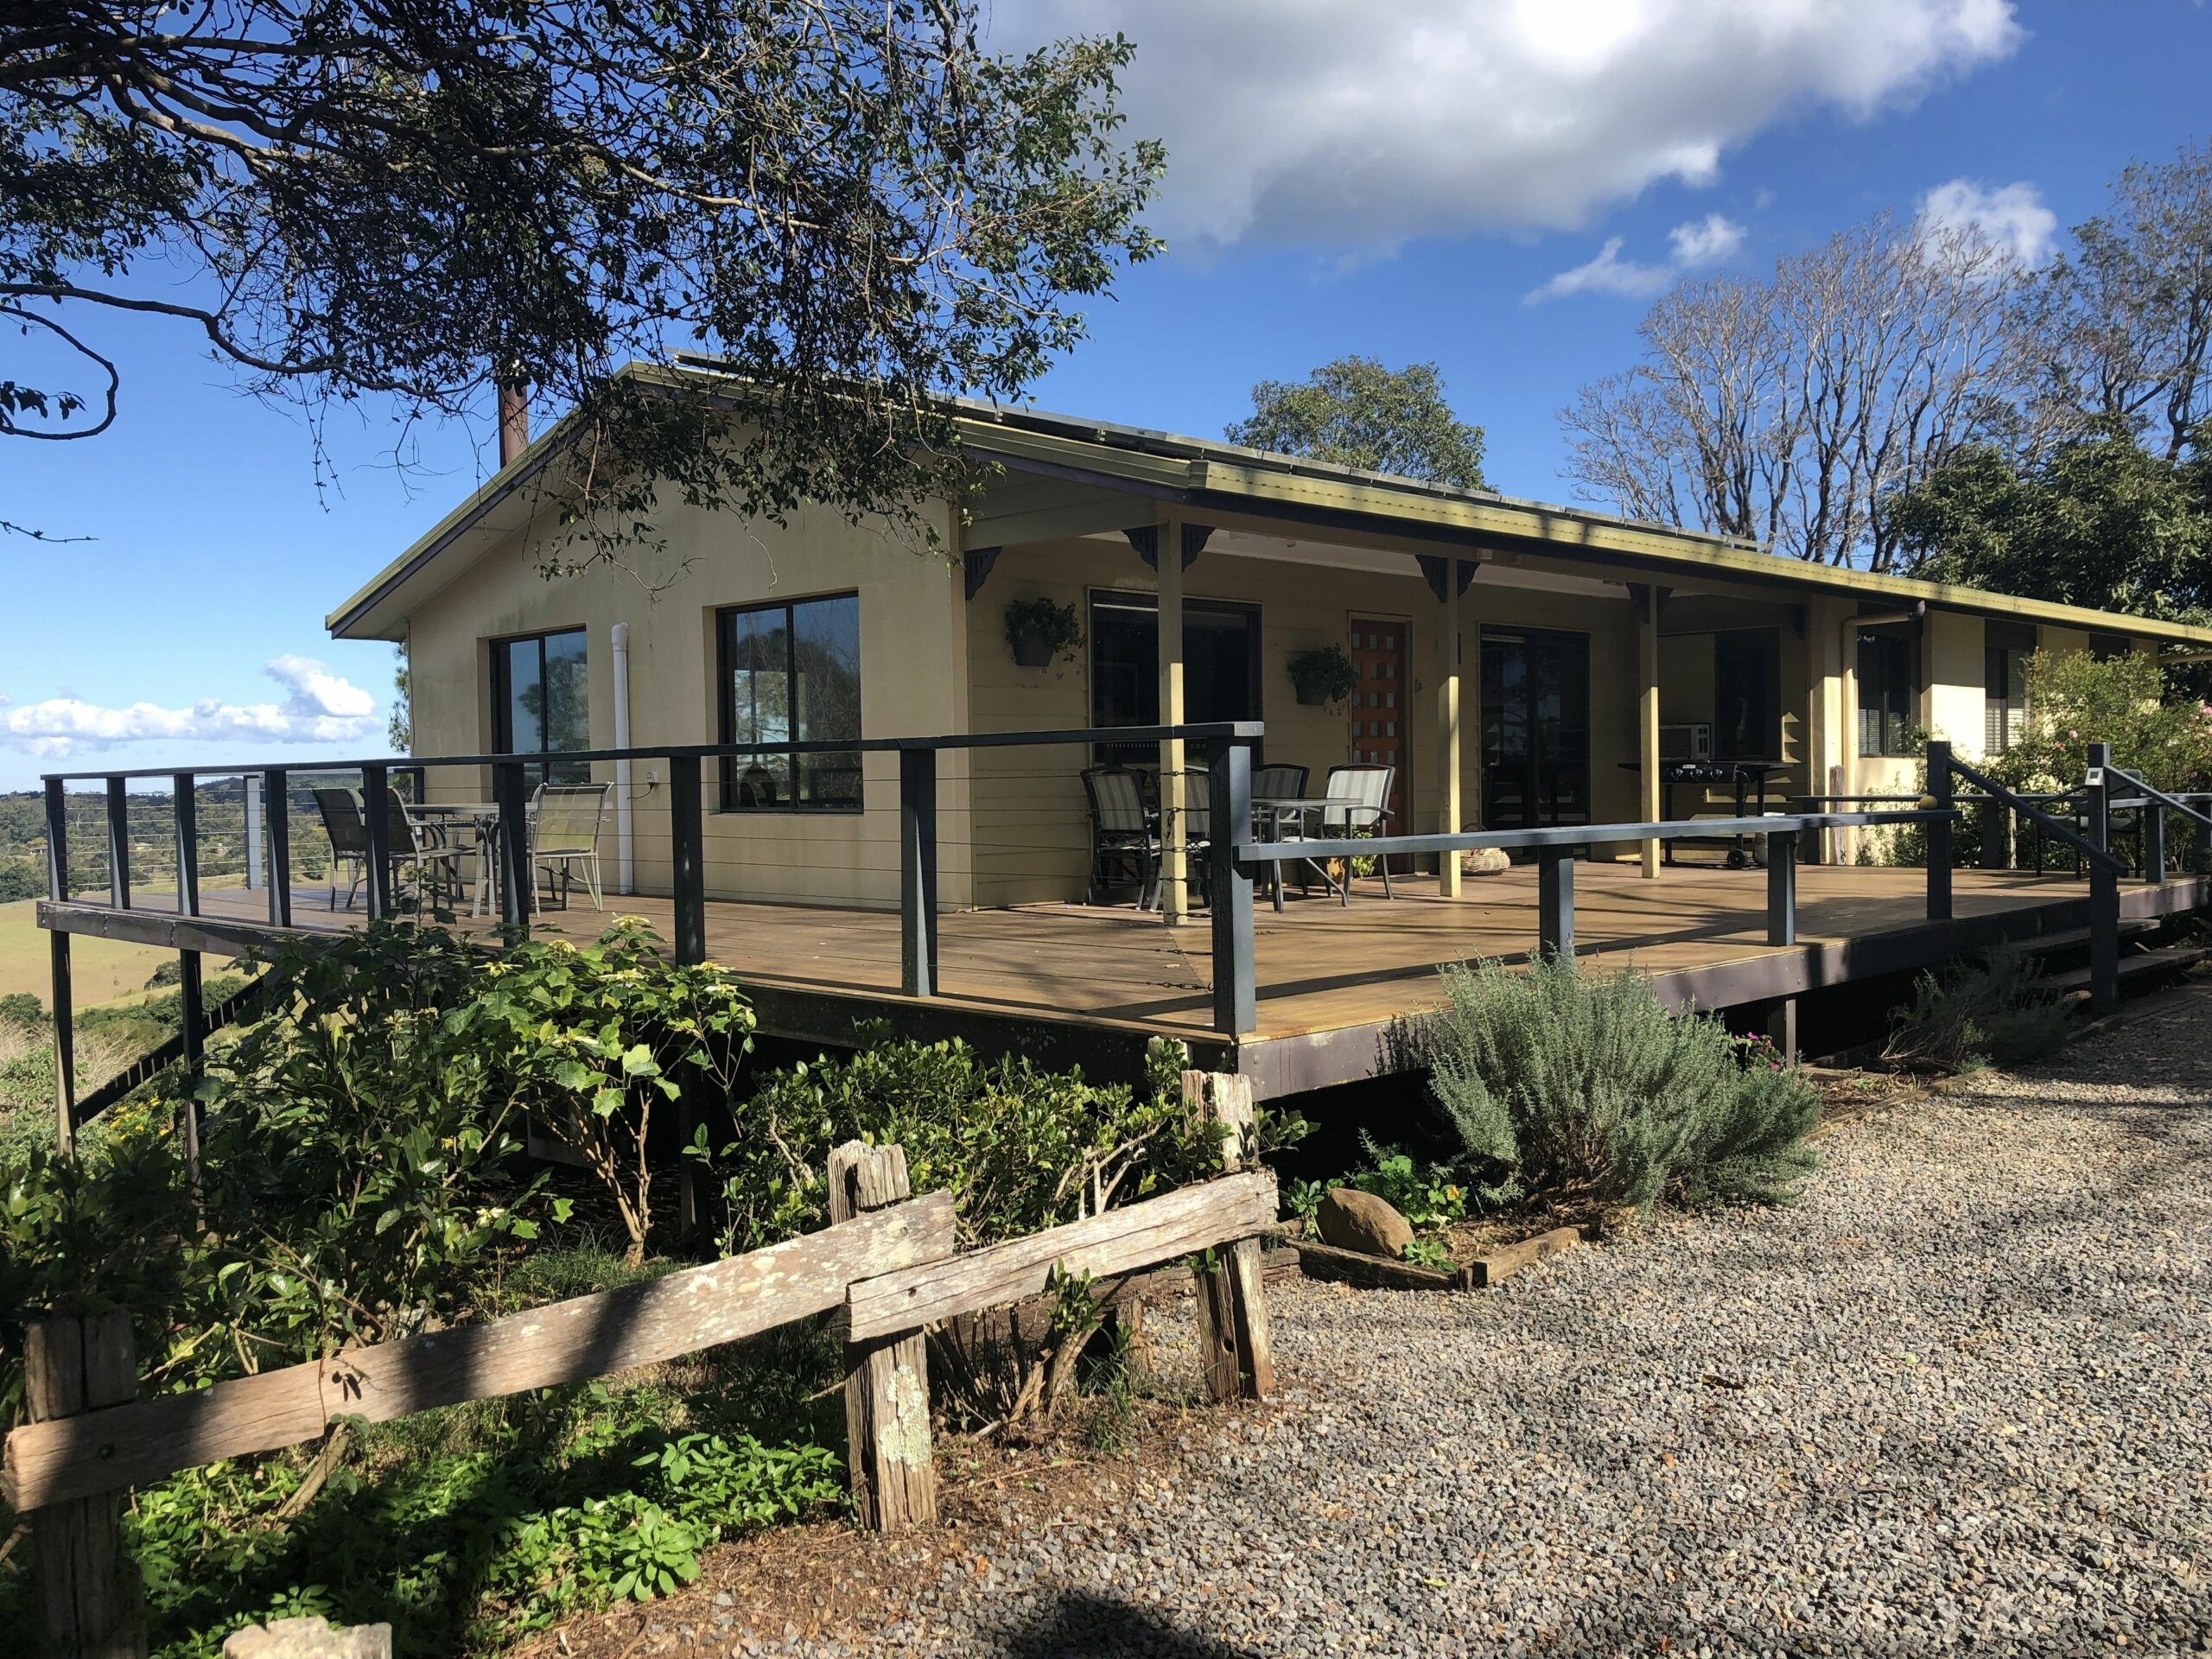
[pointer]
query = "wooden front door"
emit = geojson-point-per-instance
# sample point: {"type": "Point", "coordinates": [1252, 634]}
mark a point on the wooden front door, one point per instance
{"type": "Point", "coordinates": [1379, 704]}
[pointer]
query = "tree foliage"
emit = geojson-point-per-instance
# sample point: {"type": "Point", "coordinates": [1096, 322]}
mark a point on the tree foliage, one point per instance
{"type": "Point", "coordinates": [1791, 410]}
{"type": "Point", "coordinates": [1356, 413]}
{"type": "Point", "coordinates": [2096, 521]}
{"type": "Point", "coordinates": [851, 203]}
{"type": "Point", "coordinates": [2123, 323]}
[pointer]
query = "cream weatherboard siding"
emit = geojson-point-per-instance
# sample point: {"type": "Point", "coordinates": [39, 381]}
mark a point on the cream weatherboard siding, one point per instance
{"type": "Point", "coordinates": [913, 683]}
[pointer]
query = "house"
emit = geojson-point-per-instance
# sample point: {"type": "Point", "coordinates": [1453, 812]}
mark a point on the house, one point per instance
{"type": "Point", "coordinates": [1589, 650]}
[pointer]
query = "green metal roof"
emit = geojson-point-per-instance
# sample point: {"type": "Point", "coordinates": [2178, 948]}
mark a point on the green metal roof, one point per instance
{"type": "Point", "coordinates": [1225, 478]}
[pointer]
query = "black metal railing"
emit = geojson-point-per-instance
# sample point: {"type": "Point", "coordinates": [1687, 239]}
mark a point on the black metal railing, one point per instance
{"type": "Point", "coordinates": [1230, 862]}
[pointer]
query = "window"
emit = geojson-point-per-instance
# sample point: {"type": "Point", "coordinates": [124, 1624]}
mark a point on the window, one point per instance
{"type": "Point", "coordinates": [2006, 648]}
{"type": "Point", "coordinates": [1221, 666]}
{"type": "Point", "coordinates": [792, 673]}
{"type": "Point", "coordinates": [1747, 694]}
{"type": "Point", "coordinates": [2106, 646]}
{"type": "Point", "coordinates": [541, 703]}
{"type": "Point", "coordinates": [1889, 690]}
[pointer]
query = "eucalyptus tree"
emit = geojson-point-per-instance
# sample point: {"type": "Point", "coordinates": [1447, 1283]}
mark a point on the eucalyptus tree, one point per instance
{"type": "Point", "coordinates": [852, 205]}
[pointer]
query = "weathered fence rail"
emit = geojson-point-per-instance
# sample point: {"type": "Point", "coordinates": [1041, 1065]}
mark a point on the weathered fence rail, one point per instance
{"type": "Point", "coordinates": [884, 1269]}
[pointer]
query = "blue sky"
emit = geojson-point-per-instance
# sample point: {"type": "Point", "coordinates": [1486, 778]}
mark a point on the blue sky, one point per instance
{"type": "Point", "coordinates": [1393, 177]}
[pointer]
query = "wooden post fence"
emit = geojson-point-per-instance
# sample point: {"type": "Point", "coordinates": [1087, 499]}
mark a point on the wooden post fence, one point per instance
{"type": "Point", "coordinates": [887, 1386]}
{"type": "Point", "coordinates": [884, 1269]}
{"type": "Point", "coordinates": [88, 1594]}
{"type": "Point", "coordinates": [1235, 1343]}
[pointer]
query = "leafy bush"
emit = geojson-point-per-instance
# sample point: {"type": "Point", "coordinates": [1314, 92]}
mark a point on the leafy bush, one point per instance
{"type": "Point", "coordinates": [1977, 1012]}
{"type": "Point", "coordinates": [1563, 1083]}
{"type": "Point", "coordinates": [1427, 1195]}
{"type": "Point", "coordinates": [469, 1527]}
{"type": "Point", "coordinates": [1022, 1149]}
{"type": "Point", "coordinates": [2074, 699]}
{"type": "Point", "coordinates": [604, 1035]}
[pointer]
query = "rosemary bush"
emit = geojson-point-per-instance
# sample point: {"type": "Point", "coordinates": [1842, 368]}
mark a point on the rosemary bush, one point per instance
{"type": "Point", "coordinates": [1580, 1086]}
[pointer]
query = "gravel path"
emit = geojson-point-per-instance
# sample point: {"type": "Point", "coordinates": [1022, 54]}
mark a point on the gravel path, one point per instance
{"type": "Point", "coordinates": [1952, 1401]}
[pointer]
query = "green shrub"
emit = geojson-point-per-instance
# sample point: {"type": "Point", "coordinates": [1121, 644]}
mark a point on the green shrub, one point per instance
{"type": "Point", "coordinates": [601, 1037]}
{"type": "Point", "coordinates": [1021, 1148]}
{"type": "Point", "coordinates": [1974, 1014]}
{"type": "Point", "coordinates": [1568, 1084]}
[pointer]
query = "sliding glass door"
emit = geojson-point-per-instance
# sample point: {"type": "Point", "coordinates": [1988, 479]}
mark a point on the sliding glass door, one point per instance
{"type": "Point", "coordinates": [1536, 691]}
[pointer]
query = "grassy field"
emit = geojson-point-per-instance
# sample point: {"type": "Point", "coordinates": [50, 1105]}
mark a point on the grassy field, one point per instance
{"type": "Point", "coordinates": [100, 970]}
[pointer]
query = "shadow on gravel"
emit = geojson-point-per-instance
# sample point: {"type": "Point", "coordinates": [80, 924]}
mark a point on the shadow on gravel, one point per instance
{"type": "Point", "coordinates": [1087, 1627]}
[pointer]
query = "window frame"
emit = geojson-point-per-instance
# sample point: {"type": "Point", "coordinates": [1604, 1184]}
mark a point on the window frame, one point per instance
{"type": "Point", "coordinates": [1141, 601]}
{"type": "Point", "coordinates": [536, 773]}
{"type": "Point", "coordinates": [725, 710]}
{"type": "Point", "coordinates": [1905, 639]}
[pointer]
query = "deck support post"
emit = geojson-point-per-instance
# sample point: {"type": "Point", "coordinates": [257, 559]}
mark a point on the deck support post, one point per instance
{"type": "Point", "coordinates": [118, 843]}
{"type": "Point", "coordinates": [57, 889]}
{"type": "Point", "coordinates": [2154, 841]}
{"type": "Point", "coordinates": [276, 813]}
{"type": "Point", "coordinates": [1996, 845]}
{"type": "Point", "coordinates": [376, 820]}
{"type": "Point", "coordinates": [1647, 602]}
{"type": "Point", "coordinates": [1447, 732]}
{"type": "Point", "coordinates": [88, 1592]}
{"type": "Point", "coordinates": [518, 881]}
{"type": "Point", "coordinates": [687, 878]}
{"type": "Point", "coordinates": [1556, 902]}
{"type": "Point", "coordinates": [1781, 889]}
{"type": "Point", "coordinates": [918, 872]}
{"type": "Point", "coordinates": [1229, 888]}
{"type": "Point", "coordinates": [2104, 885]}
{"type": "Point", "coordinates": [1781, 1025]}
{"type": "Point", "coordinates": [1939, 830]}
{"type": "Point", "coordinates": [887, 1379]}
{"type": "Point", "coordinates": [192, 1014]}
{"type": "Point", "coordinates": [1174, 891]}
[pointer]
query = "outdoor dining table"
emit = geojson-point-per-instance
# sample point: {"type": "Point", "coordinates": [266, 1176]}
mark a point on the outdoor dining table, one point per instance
{"type": "Point", "coordinates": [1271, 814]}
{"type": "Point", "coordinates": [479, 819]}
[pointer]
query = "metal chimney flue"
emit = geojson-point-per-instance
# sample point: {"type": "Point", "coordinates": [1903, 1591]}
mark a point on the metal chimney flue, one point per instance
{"type": "Point", "coordinates": [514, 424]}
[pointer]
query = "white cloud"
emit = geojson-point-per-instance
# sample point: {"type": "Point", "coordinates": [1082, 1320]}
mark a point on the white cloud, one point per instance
{"type": "Point", "coordinates": [1356, 125]}
{"type": "Point", "coordinates": [1705, 241]}
{"type": "Point", "coordinates": [1696, 245]}
{"type": "Point", "coordinates": [319, 707]}
{"type": "Point", "coordinates": [2010, 217]}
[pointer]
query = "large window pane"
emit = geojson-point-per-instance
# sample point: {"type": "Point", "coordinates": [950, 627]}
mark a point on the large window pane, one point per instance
{"type": "Point", "coordinates": [1888, 691]}
{"type": "Point", "coordinates": [792, 673]}
{"type": "Point", "coordinates": [1221, 666]}
{"type": "Point", "coordinates": [1746, 678]}
{"type": "Point", "coordinates": [826, 696]}
{"type": "Point", "coordinates": [524, 705]}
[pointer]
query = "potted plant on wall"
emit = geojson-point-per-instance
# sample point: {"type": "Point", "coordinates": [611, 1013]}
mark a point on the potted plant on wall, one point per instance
{"type": "Point", "coordinates": [1323, 676]}
{"type": "Point", "coordinates": [1039, 631]}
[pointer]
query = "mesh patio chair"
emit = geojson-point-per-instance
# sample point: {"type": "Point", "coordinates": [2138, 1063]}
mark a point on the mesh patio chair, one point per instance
{"type": "Point", "coordinates": [1279, 783]}
{"type": "Point", "coordinates": [1197, 831]}
{"type": "Point", "coordinates": [565, 821]}
{"type": "Point", "coordinates": [1359, 799]}
{"type": "Point", "coordinates": [1122, 839]}
{"type": "Point", "coordinates": [349, 838]}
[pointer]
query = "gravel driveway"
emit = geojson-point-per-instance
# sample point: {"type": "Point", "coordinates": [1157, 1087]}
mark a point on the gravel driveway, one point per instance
{"type": "Point", "coordinates": [1953, 1400]}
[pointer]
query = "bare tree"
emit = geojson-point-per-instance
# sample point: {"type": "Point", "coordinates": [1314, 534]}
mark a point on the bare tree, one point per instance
{"type": "Point", "coordinates": [2123, 324]}
{"type": "Point", "coordinates": [1790, 410]}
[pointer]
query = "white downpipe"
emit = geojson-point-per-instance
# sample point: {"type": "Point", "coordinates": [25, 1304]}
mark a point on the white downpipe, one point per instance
{"type": "Point", "coordinates": [621, 636]}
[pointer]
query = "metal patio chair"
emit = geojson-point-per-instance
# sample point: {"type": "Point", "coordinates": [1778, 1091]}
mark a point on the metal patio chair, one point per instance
{"type": "Point", "coordinates": [1279, 783]}
{"type": "Point", "coordinates": [1123, 840]}
{"type": "Point", "coordinates": [1197, 831]}
{"type": "Point", "coordinates": [349, 837]}
{"type": "Point", "coordinates": [1359, 799]}
{"type": "Point", "coordinates": [565, 821]}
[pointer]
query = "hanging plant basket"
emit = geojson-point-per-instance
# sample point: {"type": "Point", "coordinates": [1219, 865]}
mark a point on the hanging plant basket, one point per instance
{"type": "Point", "coordinates": [1323, 676]}
{"type": "Point", "coordinates": [1039, 631]}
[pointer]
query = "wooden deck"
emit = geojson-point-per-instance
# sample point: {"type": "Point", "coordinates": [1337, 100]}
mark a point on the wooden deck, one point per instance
{"type": "Point", "coordinates": [1069, 982]}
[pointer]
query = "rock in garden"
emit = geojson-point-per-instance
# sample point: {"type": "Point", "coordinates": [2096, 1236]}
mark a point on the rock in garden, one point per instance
{"type": "Point", "coordinates": [308, 1638]}
{"type": "Point", "coordinates": [1485, 861]}
{"type": "Point", "coordinates": [1352, 1220]}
